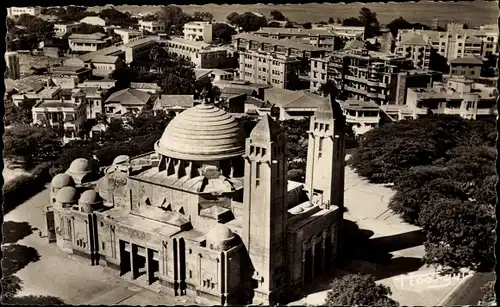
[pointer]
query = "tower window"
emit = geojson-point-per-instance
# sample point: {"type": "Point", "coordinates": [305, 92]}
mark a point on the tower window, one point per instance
{"type": "Point", "coordinates": [315, 125]}
{"type": "Point", "coordinates": [190, 274]}
{"type": "Point", "coordinates": [257, 174]}
{"type": "Point", "coordinates": [320, 148]}
{"type": "Point", "coordinates": [103, 246]}
{"type": "Point", "coordinates": [251, 149]}
{"type": "Point", "coordinates": [327, 127]}
{"type": "Point", "coordinates": [257, 151]}
{"type": "Point", "coordinates": [320, 126]}
{"type": "Point", "coordinates": [263, 151]}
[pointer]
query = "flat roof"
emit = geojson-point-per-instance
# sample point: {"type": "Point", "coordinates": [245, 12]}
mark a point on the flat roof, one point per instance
{"type": "Point", "coordinates": [277, 42]}
{"type": "Point", "coordinates": [352, 104]}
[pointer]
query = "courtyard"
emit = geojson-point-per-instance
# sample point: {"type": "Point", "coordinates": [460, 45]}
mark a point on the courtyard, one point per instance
{"type": "Point", "coordinates": [392, 253]}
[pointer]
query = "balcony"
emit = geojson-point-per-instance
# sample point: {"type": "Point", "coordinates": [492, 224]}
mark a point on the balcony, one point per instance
{"type": "Point", "coordinates": [370, 120]}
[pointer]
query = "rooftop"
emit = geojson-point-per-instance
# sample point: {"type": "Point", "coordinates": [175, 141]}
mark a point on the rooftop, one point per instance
{"type": "Point", "coordinates": [277, 42]}
{"type": "Point", "coordinates": [352, 104]}
{"type": "Point", "coordinates": [415, 40]}
{"type": "Point", "coordinates": [294, 31]}
{"type": "Point", "coordinates": [129, 97]}
{"type": "Point", "coordinates": [169, 101]}
{"type": "Point", "coordinates": [107, 59]}
{"type": "Point", "coordinates": [468, 60]}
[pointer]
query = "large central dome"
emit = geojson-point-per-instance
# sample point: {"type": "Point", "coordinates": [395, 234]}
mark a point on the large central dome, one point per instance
{"type": "Point", "coordinates": [202, 133]}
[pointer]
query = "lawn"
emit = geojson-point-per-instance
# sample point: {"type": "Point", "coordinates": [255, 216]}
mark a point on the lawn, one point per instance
{"type": "Point", "coordinates": [474, 13]}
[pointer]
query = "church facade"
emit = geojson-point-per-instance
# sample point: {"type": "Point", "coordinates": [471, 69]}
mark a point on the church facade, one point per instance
{"type": "Point", "coordinates": [209, 214]}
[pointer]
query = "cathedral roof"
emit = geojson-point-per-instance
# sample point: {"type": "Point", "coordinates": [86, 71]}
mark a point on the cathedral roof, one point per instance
{"type": "Point", "coordinates": [66, 195]}
{"type": "Point", "coordinates": [202, 133]}
{"type": "Point", "coordinates": [61, 180]}
{"type": "Point", "coordinates": [266, 130]}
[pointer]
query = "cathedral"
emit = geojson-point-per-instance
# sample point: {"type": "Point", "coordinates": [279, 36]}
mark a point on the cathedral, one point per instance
{"type": "Point", "coordinates": [208, 214]}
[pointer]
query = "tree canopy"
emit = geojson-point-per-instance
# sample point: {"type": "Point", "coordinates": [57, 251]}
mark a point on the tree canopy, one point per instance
{"type": "Point", "coordinates": [443, 170]}
{"type": "Point", "coordinates": [115, 17]}
{"type": "Point", "coordinates": [358, 290]}
{"type": "Point", "coordinates": [222, 32]}
{"type": "Point", "coordinates": [401, 24]}
{"type": "Point", "coordinates": [174, 18]}
{"type": "Point", "coordinates": [307, 25]}
{"type": "Point", "coordinates": [202, 16]}
{"type": "Point", "coordinates": [247, 21]}
{"type": "Point", "coordinates": [86, 28]}
{"type": "Point", "coordinates": [352, 22]}
{"type": "Point", "coordinates": [277, 15]}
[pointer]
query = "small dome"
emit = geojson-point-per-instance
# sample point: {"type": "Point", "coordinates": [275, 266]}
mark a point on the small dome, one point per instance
{"type": "Point", "coordinates": [296, 210]}
{"type": "Point", "coordinates": [121, 159]}
{"type": "Point", "coordinates": [66, 195]}
{"type": "Point", "coordinates": [80, 166]}
{"type": "Point", "coordinates": [89, 197]}
{"type": "Point", "coordinates": [202, 133]}
{"type": "Point", "coordinates": [62, 180]}
{"type": "Point", "coordinates": [219, 233]}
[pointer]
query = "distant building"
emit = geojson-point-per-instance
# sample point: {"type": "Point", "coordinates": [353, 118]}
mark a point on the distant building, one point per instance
{"type": "Point", "coordinates": [346, 32]}
{"type": "Point", "coordinates": [213, 74]}
{"type": "Point", "coordinates": [151, 88]}
{"type": "Point", "coordinates": [126, 101]}
{"type": "Point", "coordinates": [105, 65]}
{"type": "Point", "coordinates": [361, 115]}
{"type": "Point", "coordinates": [152, 26]}
{"type": "Point", "coordinates": [201, 54]}
{"type": "Point", "coordinates": [321, 38]}
{"type": "Point", "coordinates": [417, 49]}
{"type": "Point", "coordinates": [369, 76]}
{"type": "Point", "coordinates": [174, 104]}
{"type": "Point", "coordinates": [468, 67]}
{"type": "Point", "coordinates": [94, 20]}
{"type": "Point", "coordinates": [13, 69]}
{"type": "Point", "coordinates": [456, 41]}
{"type": "Point", "coordinates": [88, 42]}
{"type": "Point", "coordinates": [13, 12]}
{"type": "Point", "coordinates": [198, 31]}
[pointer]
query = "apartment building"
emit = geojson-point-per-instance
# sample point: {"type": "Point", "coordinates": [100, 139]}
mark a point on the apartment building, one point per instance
{"type": "Point", "coordinates": [453, 43]}
{"type": "Point", "coordinates": [152, 26]}
{"type": "Point", "coordinates": [88, 42]}
{"type": "Point", "coordinates": [63, 30]}
{"type": "Point", "coordinates": [13, 12]}
{"type": "Point", "coordinates": [343, 31]}
{"type": "Point", "coordinates": [138, 47]}
{"type": "Point", "coordinates": [319, 37]}
{"type": "Point", "coordinates": [127, 34]}
{"type": "Point", "coordinates": [416, 49]}
{"type": "Point", "coordinates": [369, 76]}
{"type": "Point", "coordinates": [202, 55]}
{"type": "Point", "coordinates": [13, 69]}
{"type": "Point", "coordinates": [362, 115]}
{"type": "Point", "coordinates": [468, 67]}
{"type": "Point", "coordinates": [198, 31]}
{"type": "Point", "coordinates": [457, 96]}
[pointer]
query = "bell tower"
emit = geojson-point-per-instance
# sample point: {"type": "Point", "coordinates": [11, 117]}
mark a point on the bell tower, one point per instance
{"type": "Point", "coordinates": [326, 155]}
{"type": "Point", "coordinates": [265, 208]}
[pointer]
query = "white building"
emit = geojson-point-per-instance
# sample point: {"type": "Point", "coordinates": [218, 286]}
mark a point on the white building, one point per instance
{"type": "Point", "coordinates": [417, 49]}
{"type": "Point", "coordinates": [362, 115]}
{"type": "Point", "coordinates": [94, 20]}
{"type": "Point", "coordinates": [13, 12]}
{"type": "Point", "coordinates": [88, 42]}
{"type": "Point", "coordinates": [127, 34]}
{"type": "Point", "coordinates": [61, 30]}
{"type": "Point", "coordinates": [198, 31]}
{"type": "Point", "coordinates": [201, 54]}
{"type": "Point", "coordinates": [152, 26]}
{"type": "Point", "coordinates": [13, 69]}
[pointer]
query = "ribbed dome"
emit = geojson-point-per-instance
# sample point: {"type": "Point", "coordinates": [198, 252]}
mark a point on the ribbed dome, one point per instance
{"type": "Point", "coordinates": [202, 133]}
{"type": "Point", "coordinates": [62, 180]}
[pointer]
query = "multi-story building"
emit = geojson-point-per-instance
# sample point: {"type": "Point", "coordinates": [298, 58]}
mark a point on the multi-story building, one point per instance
{"type": "Point", "coordinates": [13, 69]}
{"type": "Point", "coordinates": [417, 50]}
{"type": "Point", "coordinates": [458, 96]}
{"type": "Point", "coordinates": [63, 30]}
{"type": "Point", "coordinates": [369, 76]}
{"type": "Point", "coordinates": [88, 42]}
{"type": "Point", "coordinates": [152, 26]}
{"type": "Point", "coordinates": [468, 67]}
{"type": "Point", "coordinates": [361, 115]}
{"type": "Point", "coordinates": [321, 38]}
{"type": "Point", "coordinates": [125, 101]}
{"type": "Point", "coordinates": [211, 220]}
{"type": "Point", "coordinates": [127, 34]}
{"type": "Point", "coordinates": [456, 41]}
{"type": "Point", "coordinates": [201, 54]}
{"type": "Point", "coordinates": [275, 69]}
{"type": "Point", "coordinates": [346, 32]}
{"type": "Point", "coordinates": [198, 31]}
{"type": "Point", "coordinates": [13, 12]}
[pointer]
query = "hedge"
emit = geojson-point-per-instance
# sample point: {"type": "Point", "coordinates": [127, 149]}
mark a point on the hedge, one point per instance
{"type": "Point", "coordinates": [22, 188]}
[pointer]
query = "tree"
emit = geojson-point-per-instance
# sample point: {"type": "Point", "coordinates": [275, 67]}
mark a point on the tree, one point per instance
{"type": "Point", "coordinates": [307, 25]}
{"type": "Point", "coordinates": [35, 29]}
{"type": "Point", "coordinates": [358, 290]}
{"type": "Point", "coordinates": [202, 16]}
{"type": "Point", "coordinates": [398, 24]}
{"type": "Point", "coordinates": [86, 28]}
{"type": "Point", "coordinates": [488, 291]}
{"type": "Point", "coordinates": [331, 20]}
{"type": "Point", "coordinates": [31, 144]}
{"type": "Point", "coordinates": [11, 285]}
{"type": "Point", "coordinates": [369, 21]}
{"type": "Point", "coordinates": [289, 24]}
{"type": "Point", "coordinates": [352, 22]}
{"type": "Point", "coordinates": [339, 20]}
{"type": "Point", "coordinates": [173, 17]}
{"type": "Point", "coordinates": [273, 24]}
{"type": "Point", "coordinates": [247, 21]}
{"type": "Point", "coordinates": [222, 32]}
{"type": "Point", "coordinates": [115, 17]}
{"type": "Point", "coordinates": [277, 15]}
{"type": "Point", "coordinates": [150, 18]}
{"type": "Point", "coordinates": [326, 88]}
{"type": "Point", "coordinates": [178, 77]}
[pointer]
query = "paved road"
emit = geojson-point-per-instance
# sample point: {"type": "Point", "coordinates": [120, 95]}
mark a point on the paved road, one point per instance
{"type": "Point", "coordinates": [470, 293]}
